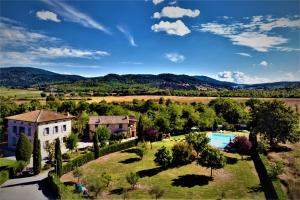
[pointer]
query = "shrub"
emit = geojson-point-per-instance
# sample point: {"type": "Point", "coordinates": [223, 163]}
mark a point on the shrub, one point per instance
{"type": "Point", "coordinates": [132, 178]}
{"type": "Point", "coordinates": [182, 154]}
{"type": "Point", "coordinates": [163, 157]}
{"type": "Point", "coordinates": [156, 192]}
{"type": "Point", "coordinates": [241, 144]}
{"type": "Point", "coordinates": [46, 166]}
{"type": "Point", "coordinates": [23, 148]}
{"type": "Point", "coordinates": [66, 156]}
{"type": "Point", "coordinates": [275, 169]}
{"type": "Point", "coordinates": [141, 150]}
{"type": "Point", "coordinates": [71, 142]}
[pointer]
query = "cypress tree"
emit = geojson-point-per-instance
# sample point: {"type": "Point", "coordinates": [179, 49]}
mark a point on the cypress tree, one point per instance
{"type": "Point", "coordinates": [58, 158]}
{"type": "Point", "coordinates": [96, 146]}
{"type": "Point", "coordinates": [36, 154]}
{"type": "Point", "coordinates": [140, 129]}
{"type": "Point", "coordinates": [23, 149]}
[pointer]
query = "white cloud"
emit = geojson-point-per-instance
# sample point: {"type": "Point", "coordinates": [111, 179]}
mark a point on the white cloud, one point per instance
{"type": "Point", "coordinates": [171, 28]}
{"type": "Point", "coordinates": [176, 12]}
{"type": "Point", "coordinates": [127, 35]}
{"type": "Point", "coordinates": [287, 49]}
{"type": "Point", "coordinates": [157, 1]}
{"type": "Point", "coordinates": [73, 15]}
{"type": "Point", "coordinates": [240, 77]}
{"type": "Point", "coordinates": [175, 57]}
{"type": "Point", "coordinates": [255, 33]}
{"type": "Point", "coordinates": [264, 63]}
{"type": "Point", "coordinates": [243, 54]}
{"type": "Point", "coordinates": [47, 15]}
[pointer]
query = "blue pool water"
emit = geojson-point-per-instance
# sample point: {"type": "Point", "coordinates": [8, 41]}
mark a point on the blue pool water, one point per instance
{"type": "Point", "coordinates": [220, 140]}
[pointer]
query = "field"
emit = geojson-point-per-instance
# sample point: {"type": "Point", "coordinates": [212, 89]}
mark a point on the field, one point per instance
{"type": "Point", "coordinates": [237, 180]}
{"type": "Point", "coordinates": [19, 93]}
{"type": "Point", "coordinates": [291, 175]}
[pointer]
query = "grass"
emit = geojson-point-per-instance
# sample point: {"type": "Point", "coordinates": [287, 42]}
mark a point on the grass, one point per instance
{"type": "Point", "coordinates": [290, 179]}
{"type": "Point", "coordinates": [6, 162]}
{"type": "Point", "coordinates": [19, 93]}
{"type": "Point", "coordinates": [236, 180]}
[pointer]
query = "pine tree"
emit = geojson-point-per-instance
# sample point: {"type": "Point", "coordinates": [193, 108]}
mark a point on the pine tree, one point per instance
{"type": "Point", "coordinates": [23, 149]}
{"type": "Point", "coordinates": [96, 146]}
{"type": "Point", "coordinates": [36, 154]}
{"type": "Point", "coordinates": [58, 158]}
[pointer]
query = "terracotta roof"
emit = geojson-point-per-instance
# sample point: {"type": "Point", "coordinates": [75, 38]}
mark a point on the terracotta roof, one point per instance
{"type": "Point", "coordinates": [39, 116]}
{"type": "Point", "coordinates": [110, 120]}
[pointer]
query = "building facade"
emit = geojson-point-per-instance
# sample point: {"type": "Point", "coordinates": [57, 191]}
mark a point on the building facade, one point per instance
{"type": "Point", "coordinates": [116, 124]}
{"type": "Point", "coordinates": [48, 125]}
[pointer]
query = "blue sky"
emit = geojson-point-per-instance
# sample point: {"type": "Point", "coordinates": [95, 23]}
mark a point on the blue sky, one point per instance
{"type": "Point", "coordinates": [240, 41]}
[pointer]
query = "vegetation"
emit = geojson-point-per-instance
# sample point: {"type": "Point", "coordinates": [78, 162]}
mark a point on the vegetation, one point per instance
{"type": "Point", "coordinates": [132, 178]}
{"type": "Point", "coordinates": [163, 157]}
{"type": "Point", "coordinates": [77, 173]}
{"type": "Point", "coordinates": [198, 141]}
{"type": "Point", "coordinates": [58, 158]}
{"type": "Point", "coordinates": [50, 148]}
{"type": "Point", "coordinates": [96, 145]}
{"type": "Point", "coordinates": [211, 158]}
{"type": "Point", "coordinates": [156, 192]}
{"type": "Point", "coordinates": [182, 154]}
{"type": "Point", "coordinates": [72, 141]}
{"type": "Point", "coordinates": [23, 148]}
{"type": "Point", "coordinates": [36, 154]}
{"type": "Point", "coordinates": [103, 134]}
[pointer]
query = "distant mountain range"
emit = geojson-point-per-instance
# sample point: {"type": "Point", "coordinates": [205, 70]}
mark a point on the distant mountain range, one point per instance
{"type": "Point", "coordinates": [29, 77]}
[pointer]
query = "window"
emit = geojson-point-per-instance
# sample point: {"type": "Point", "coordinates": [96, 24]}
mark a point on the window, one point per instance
{"type": "Point", "coordinates": [29, 131]}
{"type": "Point", "coordinates": [64, 127]}
{"type": "Point", "coordinates": [21, 129]}
{"type": "Point", "coordinates": [55, 129]}
{"type": "Point", "coordinates": [46, 131]}
{"type": "Point", "coordinates": [120, 125]}
{"type": "Point", "coordinates": [15, 129]}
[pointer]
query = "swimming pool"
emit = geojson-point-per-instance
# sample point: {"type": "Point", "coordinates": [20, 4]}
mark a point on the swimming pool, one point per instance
{"type": "Point", "coordinates": [220, 140]}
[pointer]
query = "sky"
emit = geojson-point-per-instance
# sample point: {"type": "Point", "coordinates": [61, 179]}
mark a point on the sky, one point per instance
{"type": "Point", "coordinates": [239, 41]}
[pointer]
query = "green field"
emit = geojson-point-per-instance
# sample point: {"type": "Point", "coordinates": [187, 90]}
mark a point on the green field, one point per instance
{"type": "Point", "coordinates": [237, 180]}
{"type": "Point", "coordinates": [19, 93]}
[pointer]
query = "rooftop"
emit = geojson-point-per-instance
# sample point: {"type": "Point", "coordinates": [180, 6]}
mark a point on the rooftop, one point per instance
{"type": "Point", "coordinates": [38, 116]}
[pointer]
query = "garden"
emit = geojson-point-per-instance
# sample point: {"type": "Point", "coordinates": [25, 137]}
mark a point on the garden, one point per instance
{"type": "Point", "coordinates": [238, 178]}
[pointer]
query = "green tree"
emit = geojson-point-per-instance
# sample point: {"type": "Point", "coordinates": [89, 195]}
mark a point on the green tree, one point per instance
{"type": "Point", "coordinates": [96, 145]}
{"type": "Point", "coordinates": [50, 147]}
{"type": "Point", "coordinates": [132, 178]}
{"type": "Point", "coordinates": [77, 173]}
{"type": "Point", "coordinates": [103, 135]}
{"type": "Point", "coordinates": [58, 159]}
{"type": "Point", "coordinates": [198, 141]}
{"type": "Point", "coordinates": [156, 192]}
{"type": "Point", "coordinates": [211, 158]}
{"type": "Point", "coordinates": [182, 153]}
{"type": "Point", "coordinates": [207, 118]}
{"type": "Point", "coordinates": [163, 157]}
{"type": "Point", "coordinates": [141, 150]}
{"type": "Point", "coordinates": [96, 185]}
{"type": "Point", "coordinates": [276, 122]}
{"type": "Point", "coordinates": [82, 122]}
{"type": "Point", "coordinates": [36, 154]}
{"type": "Point", "coordinates": [35, 104]}
{"type": "Point", "coordinates": [23, 149]}
{"type": "Point", "coordinates": [106, 178]}
{"type": "Point", "coordinates": [140, 129]}
{"type": "Point", "coordinates": [72, 141]}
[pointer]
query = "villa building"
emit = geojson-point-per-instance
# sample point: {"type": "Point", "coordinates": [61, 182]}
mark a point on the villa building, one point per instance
{"type": "Point", "coordinates": [116, 124]}
{"type": "Point", "coordinates": [48, 125]}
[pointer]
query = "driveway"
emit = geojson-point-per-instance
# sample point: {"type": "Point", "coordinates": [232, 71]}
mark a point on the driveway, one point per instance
{"type": "Point", "coordinates": [29, 188]}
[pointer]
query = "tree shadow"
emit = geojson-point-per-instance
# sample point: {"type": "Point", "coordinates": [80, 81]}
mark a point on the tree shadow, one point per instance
{"type": "Point", "coordinates": [231, 160]}
{"type": "Point", "coordinates": [150, 172]}
{"type": "Point", "coordinates": [191, 180]}
{"type": "Point", "coordinates": [278, 148]}
{"type": "Point", "coordinates": [132, 150]}
{"type": "Point", "coordinates": [69, 183]}
{"type": "Point", "coordinates": [130, 160]}
{"type": "Point", "coordinates": [117, 191]}
{"type": "Point", "coordinates": [255, 189]}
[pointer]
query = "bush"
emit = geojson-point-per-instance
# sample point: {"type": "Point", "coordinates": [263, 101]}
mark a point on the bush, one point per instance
{"type": "Point", "coordinates": [275, 169]}
{"type": "Point", "coordinates": [182, 154]}
{"type": "Point", "coordinates": [241, 145]}
{"type": "Point", "coordinates": [163, 157]}
{"type": "Point", "coordinates": [46, 166]}
{"type": "Point", "coordinates": [54, 184]}
{"type": "Point", "coordinates": [66, 156]}
{"type": "Point", "coordinates": [23, 148]}
{"type": "Point", "coordinates": [132, 178]}
{"type": "Point", "coordinates": [156, 192]}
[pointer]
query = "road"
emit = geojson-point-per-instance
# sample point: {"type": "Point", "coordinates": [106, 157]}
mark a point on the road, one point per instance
{"type": "Point", "coordinates": [29, 188]}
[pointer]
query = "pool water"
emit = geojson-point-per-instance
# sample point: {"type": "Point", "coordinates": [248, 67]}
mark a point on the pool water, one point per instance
{"type": "Point", "coordinates": [220, 140]}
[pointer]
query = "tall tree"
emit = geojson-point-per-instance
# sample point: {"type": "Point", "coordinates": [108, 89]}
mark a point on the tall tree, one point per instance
{"type": "Point", "coordinates": [82, 121]}
{"type": "Point", "coordinates": [96, 146]}
{"type": "Point", "coordinates": [275, 121]}
{"type": "Point", "coordinates": [211, 158]}
{"type": "Point", "coordinates": [23, 149]}
{"type": "Point", "coordinates": [36, 154]}
{"type": "Point", "coordinates": [103, 135]}
{"type": "Point", "coordinates": [140, 129]}
{"type": "Point", "coordinates": [58, 159]}
{"type": "Point", "coordinates": [199, 141]}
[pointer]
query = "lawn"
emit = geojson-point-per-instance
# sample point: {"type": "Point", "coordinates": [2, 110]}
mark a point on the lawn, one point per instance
{"type": "Point", "coordinates": [236, 180]}
{"type": "Point", "coordinates": [6, 162]}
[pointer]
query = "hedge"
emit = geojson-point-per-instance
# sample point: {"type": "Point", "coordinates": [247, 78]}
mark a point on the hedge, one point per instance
{"type": "Point", "coordinates": [4, 176]}
{"type": "Point", "coordinates": [83, 159]}
{"type": "Point", "coordinates": [7, 172]}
